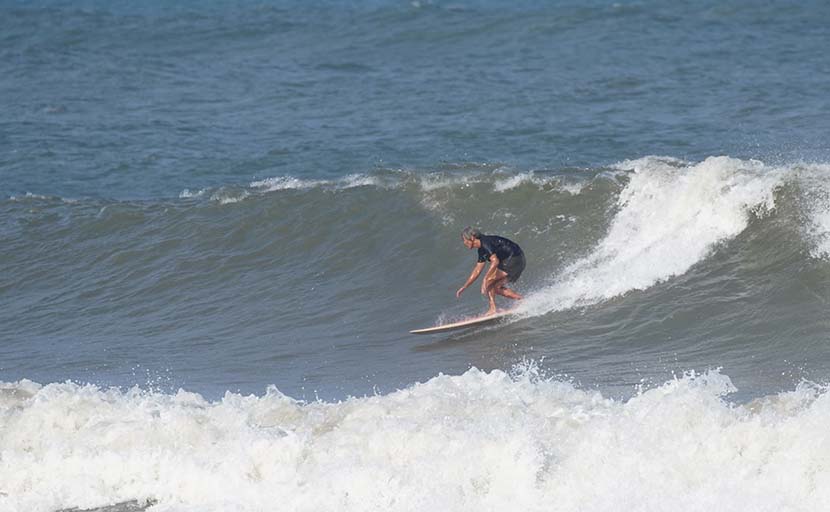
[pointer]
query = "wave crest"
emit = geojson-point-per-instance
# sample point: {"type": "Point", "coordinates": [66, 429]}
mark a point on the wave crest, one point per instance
{"type": "Point", "coordinates": [669, 216]}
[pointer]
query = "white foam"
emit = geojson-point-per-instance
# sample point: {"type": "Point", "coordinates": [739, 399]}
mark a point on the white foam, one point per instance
{"type": "Point", "coordinates": [436, 181]}
{"type": "Point", "coordinates": [573, 188]}
{"type": "Point", "coordinates": [479, 441]}
{"type": "Point", "coordinates": [516, 181]}
{"type": "Point", "coordinates": [540, 181]}
{"type": "Point", "coordinates": [187, 193]}
{"type": "Point", "coordinates": [814, 186]}
{"type": "Point", "coordinates": [223, 196]}
{"type": "Point", "coordinates": [427, 182]}
{"type": "Point", "coordinates": [670, 216]}
{"type": "Point", "coordinates": [292, 183]}
{"type": "Point", "coordinates": [286, 183]}
{"type": "Point", "coordinates": [28, 195]}
{"type": "Point", "coordinates": [358, 180]}
{"type": "Point", "coordinates": [502, 181]}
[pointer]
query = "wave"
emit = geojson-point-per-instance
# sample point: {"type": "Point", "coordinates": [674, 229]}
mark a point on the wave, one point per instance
{"type": "Point", "coordinates": [704, 250]}
{"type": "Point", "coordinates": [476, 441]}
{"type": "Point", "coordinates": [592, 235]}
{"type": "Point", "coordinates": [814, 198]}
{"type": "Point", "coordinates": [497, 178]}
{"type": "Point", "coordinates": [670, 216]}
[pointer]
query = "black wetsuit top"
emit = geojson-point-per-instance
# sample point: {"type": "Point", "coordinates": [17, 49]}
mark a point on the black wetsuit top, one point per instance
{"type": "Point", "coordinates": [510, 255]}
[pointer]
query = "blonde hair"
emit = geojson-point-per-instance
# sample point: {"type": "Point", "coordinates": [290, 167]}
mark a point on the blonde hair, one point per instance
{"type": "Point", "coordinates": [470, 233]}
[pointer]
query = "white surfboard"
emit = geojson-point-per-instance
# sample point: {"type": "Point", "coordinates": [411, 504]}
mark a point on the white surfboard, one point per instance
{"type": "Point", "coordinates": [463, 324]}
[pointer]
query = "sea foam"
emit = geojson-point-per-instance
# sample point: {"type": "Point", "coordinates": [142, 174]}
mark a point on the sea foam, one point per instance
{"type": "Point", "coordinates": [669, 217]}
{"type": "Point", "coordinates": [477, 441]}
{"type": "Point", "coordinates": [814, 187]}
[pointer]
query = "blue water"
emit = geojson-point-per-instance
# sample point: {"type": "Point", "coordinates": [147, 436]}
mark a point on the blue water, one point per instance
{"type": "Point", "coordinates": [206, 201]}
{"type": "Point", "coordinates": [126, 101]}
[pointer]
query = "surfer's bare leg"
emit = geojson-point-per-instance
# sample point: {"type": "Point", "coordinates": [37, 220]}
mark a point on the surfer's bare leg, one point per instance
{"type": "Point", "coordinates": [491, 296]}
{"type": "Point", "coordinates": [493, 287]}
{"type": "Point", "coordinates": [510, 294]}
{"type": "Point", "coordinates": [504, 291]}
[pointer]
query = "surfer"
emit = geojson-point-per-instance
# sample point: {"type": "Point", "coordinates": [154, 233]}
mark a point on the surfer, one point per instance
{"type": "Point", "coordinates": [507, 261]}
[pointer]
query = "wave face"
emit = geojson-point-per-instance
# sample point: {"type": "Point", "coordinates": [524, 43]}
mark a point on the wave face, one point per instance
{"type": "Point", "coordinates": [477, 441]}
{"type": "Point", "coordinates": [700, 260]}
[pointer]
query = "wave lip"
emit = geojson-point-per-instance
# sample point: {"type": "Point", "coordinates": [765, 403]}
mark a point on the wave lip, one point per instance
{"type": "Point", "coordinates": [669, 216]}
{"type": "Point", "coordinates": [815, 191]}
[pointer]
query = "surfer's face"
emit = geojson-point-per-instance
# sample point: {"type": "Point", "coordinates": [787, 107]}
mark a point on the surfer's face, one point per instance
{"type": "Point", "coordinates": [469, 242]}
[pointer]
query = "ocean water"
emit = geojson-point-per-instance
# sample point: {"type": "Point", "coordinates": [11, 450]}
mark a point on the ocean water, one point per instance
{"type": "Point", "coordinates": [219, 221]}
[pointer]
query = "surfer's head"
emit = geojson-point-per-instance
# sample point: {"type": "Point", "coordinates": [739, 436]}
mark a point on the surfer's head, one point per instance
{"type": "Point", "coordinates": [470, 233]}
{"type": "Point", "coordinates": [469, 236]}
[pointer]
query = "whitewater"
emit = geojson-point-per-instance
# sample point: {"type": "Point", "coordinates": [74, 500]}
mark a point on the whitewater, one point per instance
{"type": "Point", "coordinates": [477, 441]}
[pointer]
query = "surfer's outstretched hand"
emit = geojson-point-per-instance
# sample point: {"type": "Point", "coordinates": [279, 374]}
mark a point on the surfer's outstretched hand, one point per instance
{"type": "Point", "coordinates": [459, 292]}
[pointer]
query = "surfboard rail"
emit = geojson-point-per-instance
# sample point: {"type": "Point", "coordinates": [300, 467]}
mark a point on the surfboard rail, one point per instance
{"type": "Point", "coordinates": [462, 324]}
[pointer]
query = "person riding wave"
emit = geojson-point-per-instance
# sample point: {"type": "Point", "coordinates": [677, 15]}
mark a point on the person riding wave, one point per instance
{"type": "Point", "coordinates": [507, 261]}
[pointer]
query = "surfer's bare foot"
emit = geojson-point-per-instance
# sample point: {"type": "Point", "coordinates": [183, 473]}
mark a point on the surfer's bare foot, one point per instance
{"type": "Point", "coordinates": [491, 311]}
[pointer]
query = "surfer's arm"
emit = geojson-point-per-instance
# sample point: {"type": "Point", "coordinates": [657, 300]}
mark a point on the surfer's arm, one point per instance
{"type": "Point", "coordinates": [473, 276]}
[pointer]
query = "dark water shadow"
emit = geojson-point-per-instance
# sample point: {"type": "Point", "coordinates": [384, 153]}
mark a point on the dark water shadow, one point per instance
{"type": "Point", "coordinates": [124, 506]}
